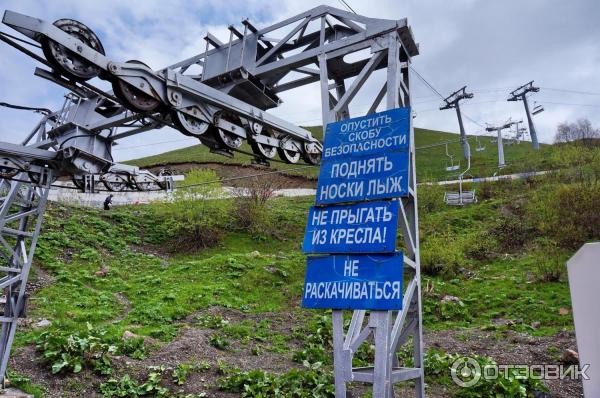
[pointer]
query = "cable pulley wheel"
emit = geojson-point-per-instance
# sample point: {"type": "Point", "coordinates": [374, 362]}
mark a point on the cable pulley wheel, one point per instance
{"type": "Point", "coordinates": [227, 138]}
{"type": "Point", "coordinates": [313, 158]}
{"type": "Point", "coordinates": [144, 185]}
{"type": "Point", "coordinates": [65, 61]}
{"type": "Point", "coordinates": [8, 172]}
{"type": "Point", "coordinates": [115, 182]}
{"type": "Point", "coordinates": [35, 178]}
{"type": "Point", "coordinates": [189, 125]}
{"type": "Point", "coordinates": [261, 149]}
{"type": "Point", "coordinates": [287, 155]}
{"type": "Point", "coordinates": [79, 182]}
{"type": "Point", "coordinates": [134, 98]}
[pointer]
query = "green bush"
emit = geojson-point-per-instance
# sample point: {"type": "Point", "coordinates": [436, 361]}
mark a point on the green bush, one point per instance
{"type": "Point", "coordinates": [200, 211]}
{"type": "Point", "coordinates": [129, 388]}
{"type": "Point", "coordinates": [440, 255]}
{"type": "Point", "coordinates": [549, 262]}
{"type": "Point", "coordinates": [568, 214]}
{"type": "Point", "coordinates": [252, 210]}
{"type": "Point", "coordinates": [511, 232]}
{"type": "Point", "coordinates": [480, 246]}
{"type": "Point", "coordinates": [317, 341]}
{"type": "Point", "coordinates": [431, 198]}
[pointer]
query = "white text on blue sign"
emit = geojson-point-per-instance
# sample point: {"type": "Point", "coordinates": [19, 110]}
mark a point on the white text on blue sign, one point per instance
{"type": "Point", "coordinates": [368, 227]}
{"type": "Point", "coordinates": [375, 133]}
{"type": "Point", "coordinates": [378, 176]}
{"type": "Point", "coordinates": [369, 282]}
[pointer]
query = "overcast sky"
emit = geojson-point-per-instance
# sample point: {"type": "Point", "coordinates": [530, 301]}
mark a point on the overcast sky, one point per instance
{"type": "Point", "coordinates": [491, 46]}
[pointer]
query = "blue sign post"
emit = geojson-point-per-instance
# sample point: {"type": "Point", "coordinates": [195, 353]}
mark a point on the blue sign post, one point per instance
{"type": "Point", "coordinates": [360, 281]}
{"type": "Point", "coordinates": [365, 160]}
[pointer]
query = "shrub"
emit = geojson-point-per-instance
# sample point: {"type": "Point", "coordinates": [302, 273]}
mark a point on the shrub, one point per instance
{"type": "Point", "coordinates": [441, 256]}
{"type": "Point", "coordinates": [550, 260]}
{"type": "Point", "coordinates": [512, 383]}
{"type": "Point", "coordinates": [568, 214]}
{"type": "Point", "coordinates": [511, 232]}
{"type": "Point", "coordinates": [480, 246]}
{"type": "Point", "coordinates": [431, 198]}
{"type": "Point", "coordinates": [200, 210]}
{"type": "Point", "coordinates": [251, 205]}
{"type": "Point", "coordinates": [129, 388]}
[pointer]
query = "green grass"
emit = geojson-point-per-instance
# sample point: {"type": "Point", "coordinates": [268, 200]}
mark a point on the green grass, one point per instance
{"type": "Point", "coordinates": [258, 273]}
{"type": "Point", "coordinates": [431, 162]}
{"type": "Point", "coordinates": [76, 243]}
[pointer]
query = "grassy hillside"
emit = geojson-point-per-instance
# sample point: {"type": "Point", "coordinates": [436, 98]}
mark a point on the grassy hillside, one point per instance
{"type": "Point", "coordinates": [227, 319]}
{"type": "Point", "coordinates": [431, 162]}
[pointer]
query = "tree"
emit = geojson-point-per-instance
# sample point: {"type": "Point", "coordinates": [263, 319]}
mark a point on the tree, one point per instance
{"type": "Point", "coordinates": [581, 131]}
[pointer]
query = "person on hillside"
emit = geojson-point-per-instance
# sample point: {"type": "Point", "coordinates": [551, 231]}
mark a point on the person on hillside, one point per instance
{"type": "Point", "coordinates": [108, 202]}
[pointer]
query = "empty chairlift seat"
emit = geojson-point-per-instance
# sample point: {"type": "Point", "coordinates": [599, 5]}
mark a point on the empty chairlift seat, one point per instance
{"type": "Point", "coordinates": [451, 165]}
{"type": "Point", "coordinates": [460, 198]}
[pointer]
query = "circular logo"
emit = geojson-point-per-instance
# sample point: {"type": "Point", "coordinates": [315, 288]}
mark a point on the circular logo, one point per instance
{"type": "Point", "coordinates": [466, 372]}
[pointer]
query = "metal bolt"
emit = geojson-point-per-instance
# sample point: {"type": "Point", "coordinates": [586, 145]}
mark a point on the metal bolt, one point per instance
{"type": "Point", "coordinates": [79, 48]}
{"type": "Point", "coordinates": [142, 85]}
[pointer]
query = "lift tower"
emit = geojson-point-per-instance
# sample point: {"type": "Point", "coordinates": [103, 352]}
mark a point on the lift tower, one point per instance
{"type": "Point", "coordinates": [452, 101]}
{"type": "Point", "coordinates": [498, 130]}
{"type": "Point", "coordinates": [520, 94]}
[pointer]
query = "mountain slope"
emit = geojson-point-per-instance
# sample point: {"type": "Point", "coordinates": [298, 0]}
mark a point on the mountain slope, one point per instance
{"type": "Point", "coordinates": [431, 160]}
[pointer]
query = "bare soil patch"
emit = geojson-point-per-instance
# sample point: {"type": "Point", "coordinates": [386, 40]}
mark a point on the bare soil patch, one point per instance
{"type": "Point", "coordinates": [192, 346]}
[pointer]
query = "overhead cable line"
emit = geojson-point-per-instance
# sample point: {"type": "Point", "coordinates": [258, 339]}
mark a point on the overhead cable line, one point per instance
{"type": "Point", "coordinates": [347, 5]}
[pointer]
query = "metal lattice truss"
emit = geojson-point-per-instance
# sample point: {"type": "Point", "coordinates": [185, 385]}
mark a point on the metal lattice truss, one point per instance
{"type": "Point", "coordinates": [389, 330]}
{"type": "Point", "coordinates": [22, 205]}
{"type": "Point", "coordinates": [221, 97]}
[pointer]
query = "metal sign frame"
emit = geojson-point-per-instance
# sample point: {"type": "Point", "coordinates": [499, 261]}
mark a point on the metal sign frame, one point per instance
{"type": "Point", "coordinates": [389, 329]}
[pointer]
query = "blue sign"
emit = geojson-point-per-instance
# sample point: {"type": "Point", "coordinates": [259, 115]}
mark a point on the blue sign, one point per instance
{"type": "Point", "coordinates": [375, 133]}
{"type": "Point", "coordinates": [368, 227]}
{"type": "Point", "coordinates": [357, 178]}
{"type": "Point", "coordinates": [366, 158]}
{"type": "Point", "coordinates": [357, 282]}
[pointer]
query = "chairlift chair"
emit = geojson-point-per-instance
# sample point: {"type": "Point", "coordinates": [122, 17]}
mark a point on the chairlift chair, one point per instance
{"type": "Point", "coordinates": [462, 197]}
{"type": "Point", "coordinates": [537, 109]}
{"type": "Point", "coordinates": [479, 147]}
{"type": "Point", "coordinates": [450, 165]}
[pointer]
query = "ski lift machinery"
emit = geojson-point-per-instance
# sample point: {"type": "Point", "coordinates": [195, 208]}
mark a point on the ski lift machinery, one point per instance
{"type": "Point", "coordinates": [223, 105]}
{"type": "Point", "coordinates": [462, 197]}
